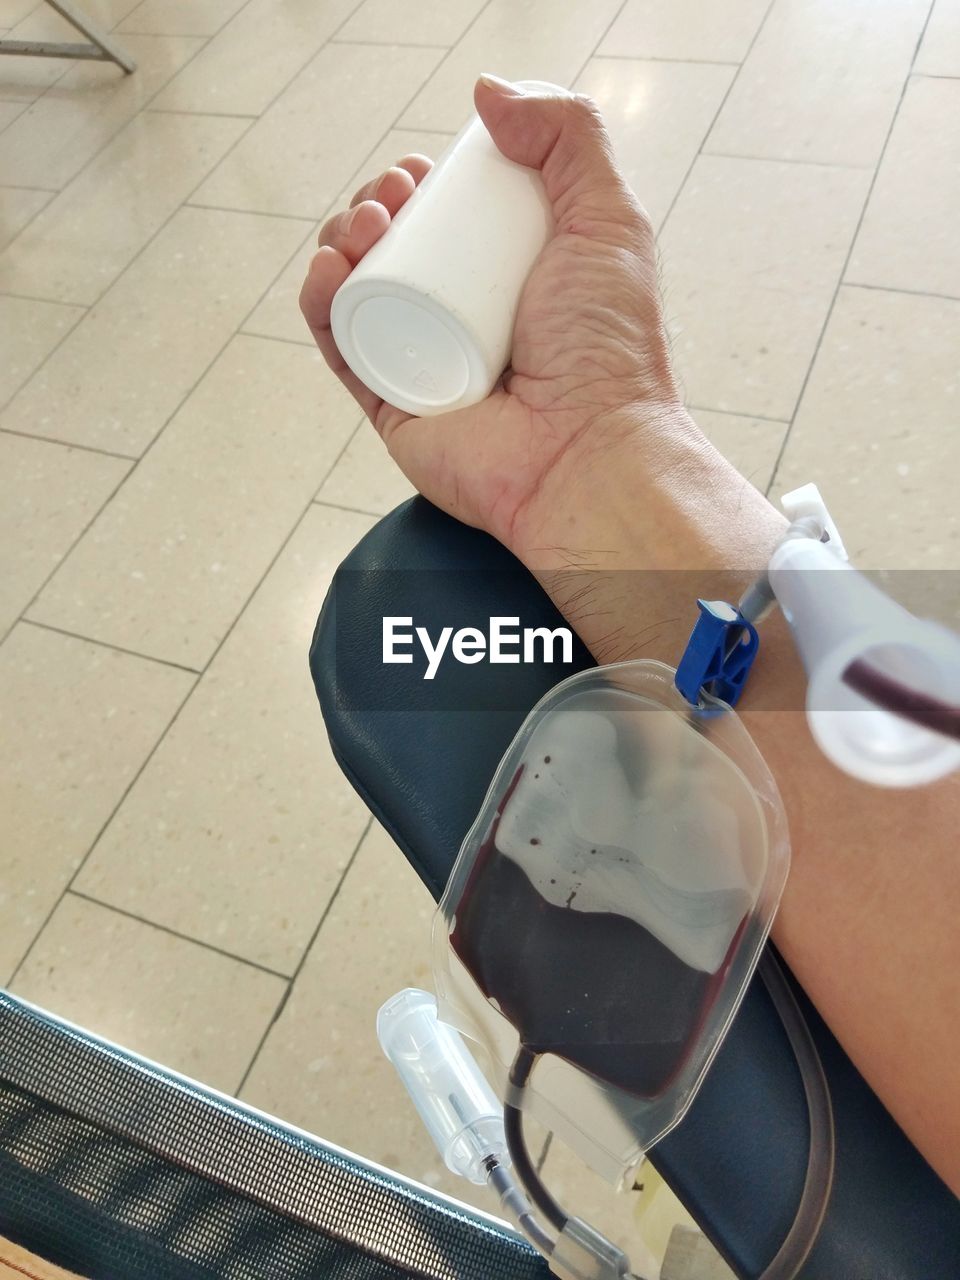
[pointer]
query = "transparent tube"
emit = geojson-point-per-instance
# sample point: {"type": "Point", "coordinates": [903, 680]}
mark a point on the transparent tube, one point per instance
{"type": "Point", "coordinates": [818, 1182]}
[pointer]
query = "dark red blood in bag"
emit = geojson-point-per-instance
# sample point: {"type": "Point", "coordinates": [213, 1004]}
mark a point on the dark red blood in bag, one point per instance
{"type": "Point", "coordinates": [593, 987]}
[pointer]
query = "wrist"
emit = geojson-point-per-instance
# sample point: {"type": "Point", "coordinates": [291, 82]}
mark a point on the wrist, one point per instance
{"type": "Point", "coordinates": [632, 526]}
{"type": "Point", "coordinates": [645, 489]}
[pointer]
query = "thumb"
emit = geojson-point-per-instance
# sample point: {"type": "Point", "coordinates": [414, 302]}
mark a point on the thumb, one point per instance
{"type": "Point", "coordinates": [562, 135]}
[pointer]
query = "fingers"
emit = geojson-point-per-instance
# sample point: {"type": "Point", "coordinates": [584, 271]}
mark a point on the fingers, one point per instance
{"type": "Point", "coordinates": [343, 241]}
{"type": "Point", "coordinates": [327, 272]}
{"type": "Point", "coordinates": [391, 189]}
{"type": "Point", "coordinates": [563, 136]}
{"type": "Point", "coordinates": [395, 186]}
{"type": "Point", "coordinates": [355, 231]}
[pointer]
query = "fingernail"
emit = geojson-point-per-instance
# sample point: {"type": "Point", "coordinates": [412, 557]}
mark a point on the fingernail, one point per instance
{"type": "Point", "coordinates": [503, 87]}
{"type": "Point", "coordinates": [348, 220]}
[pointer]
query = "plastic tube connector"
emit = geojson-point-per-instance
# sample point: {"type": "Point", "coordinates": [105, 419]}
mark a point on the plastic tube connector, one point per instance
{"type": "Point", "coordinates": [461, 1112]}
{"type": "Point", "coordinates": [839, 617]}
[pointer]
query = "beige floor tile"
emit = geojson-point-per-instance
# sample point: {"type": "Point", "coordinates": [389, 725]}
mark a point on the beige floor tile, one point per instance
{"type": "Point", "coordinates": [300, 153]}
{"type": "Point", "coordinates": [366, 477]}
{"type": "Point", "coordinates": [752, 445]}
{"type": "Point", "coordinates": [822, 82]}
{"type": "Point", "coordinates": [321, 1067]}
{"type": "Point", "coordinates": [14, 11]}
{"type": "Point", "coordinates": [180, 17]}
{"type": "Point", "coordinates": [112, 384]}
{"type": "Point", "coordinates": [238, 830]}
{"type": "Point", "coordinates": [170, 562]}
{"type": "Point", "coordinates": [29, 331]}
{"type": "Point", "coordinates": [78, 721]}
{"type": "Point", "coordinates": [48, 495]}
{"type": "Point", "coordinates": [9, 110]}
{"type": "Point", "coordinates": [939, 54]}
{"type": "Point", "coordinates": [17, 206]}
{"type": "Point", "coordinates": [718, 32]}
{"type": "Point", "coordinates": [255, 56]}
{"type": "Point", "coordinates": [440, 22]}
{"type": "Point", "coordinates": [658, 114]}
{"type": "Point", "coordinates": [751, 256]}
{"type": "Point", "coordinates": [878, 429]}
{"type": "Point", "coordinates": [909, 237]}
{"type": "Point", "coordinates": [52, 141]}
{"type": "Point", "coordinates": [105, 13]}
{"type": "Point", "coordinates": [24, 79]}
{"type": "Point", "coordinates": [518, 39]}
{"type": "Point", "coordinates": [171, 1000]}
{"type": "Point", "coordinates": [278, 315]}
{"type": "Point", "coordinates": [83, 239]}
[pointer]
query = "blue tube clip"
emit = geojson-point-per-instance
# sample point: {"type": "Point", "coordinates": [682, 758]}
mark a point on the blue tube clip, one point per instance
{"type": "Point", "coordinates": [719, 654]}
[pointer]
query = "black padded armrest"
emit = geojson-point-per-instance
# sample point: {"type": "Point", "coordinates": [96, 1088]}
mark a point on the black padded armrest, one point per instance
{"type": "Point", "coordinates": [421, 754]}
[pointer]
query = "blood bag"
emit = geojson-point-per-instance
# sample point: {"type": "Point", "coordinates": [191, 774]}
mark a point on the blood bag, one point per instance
{"type": "Point", "coordinates": [609, 905]}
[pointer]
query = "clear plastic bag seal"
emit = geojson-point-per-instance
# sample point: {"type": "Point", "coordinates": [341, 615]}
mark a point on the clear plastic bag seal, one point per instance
{"type": "Point", "coordinates": [609, 906]}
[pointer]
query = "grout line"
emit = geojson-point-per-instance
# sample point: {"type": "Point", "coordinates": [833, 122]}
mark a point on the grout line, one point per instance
{"type": "Point", "coordinates": [105, 644]}
{"type": "Point", "coordinates": [548, 1142]}
{"type": "Point", "coordinates": [340, 506]}
{"type": "Point", "coordinates": [34, 297]}
{"type": "Point", "coordinates": [710, 127]}
{"type": "Point", "coordinates": [391, 44]}
{"type": "Point", "coordinates": [175, 933]}
{"type": "Point", "coordinates": [174, 35]}
{"type": "Point", "coordinates": [649, 57]}
{"type": "Point", "coordinates": [738, 413]}
{"type": "Point", "coordinates": [67, 444]}
{"type": "Point", "coordinates": [179, 111]}
{"type": "Point", "coordinates": [22, 186]}
{"type": "Point", "coordinates": [336, 462]}
{"type": "Point", "coordinates": [817, 164]}
{"type": "Point", "coordinates": [846, 262]}
{"type": "Point", "coordinates": [909, 293]}
{"type": "Point", "coordinates": [309, 219]}
{"type": "Point", "coordinates": [113, 812]}
{"type": "Point", "coordinates": [302, 961]}
{"type": "Point", "coordinates": [933, 75]}
{"type": "Point", "coordinates": [272, 337]}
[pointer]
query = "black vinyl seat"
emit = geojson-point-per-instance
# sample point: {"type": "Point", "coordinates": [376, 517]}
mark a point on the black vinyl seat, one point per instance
{"type": "Point", "coordinates": [422, 753]}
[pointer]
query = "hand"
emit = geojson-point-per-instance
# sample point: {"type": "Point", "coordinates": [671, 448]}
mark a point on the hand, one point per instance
{"type": "Point", "coordinates": [590, 370]}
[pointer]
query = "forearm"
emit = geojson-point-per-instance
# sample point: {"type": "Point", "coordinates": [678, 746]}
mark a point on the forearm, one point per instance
{"type": "Point", "coordinates": [868, 919]}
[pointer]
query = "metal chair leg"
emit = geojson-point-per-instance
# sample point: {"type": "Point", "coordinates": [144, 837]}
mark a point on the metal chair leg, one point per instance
{"type": "Point", "coordinates": [101, 46]}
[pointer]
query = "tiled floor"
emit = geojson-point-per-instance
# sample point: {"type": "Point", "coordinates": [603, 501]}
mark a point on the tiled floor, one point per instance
{"type": "Point", "coordinates": [182, 866]}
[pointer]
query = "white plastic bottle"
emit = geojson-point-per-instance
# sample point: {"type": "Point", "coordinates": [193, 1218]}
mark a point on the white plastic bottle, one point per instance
{"type": "Point", "coordinates": [426, 318]}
